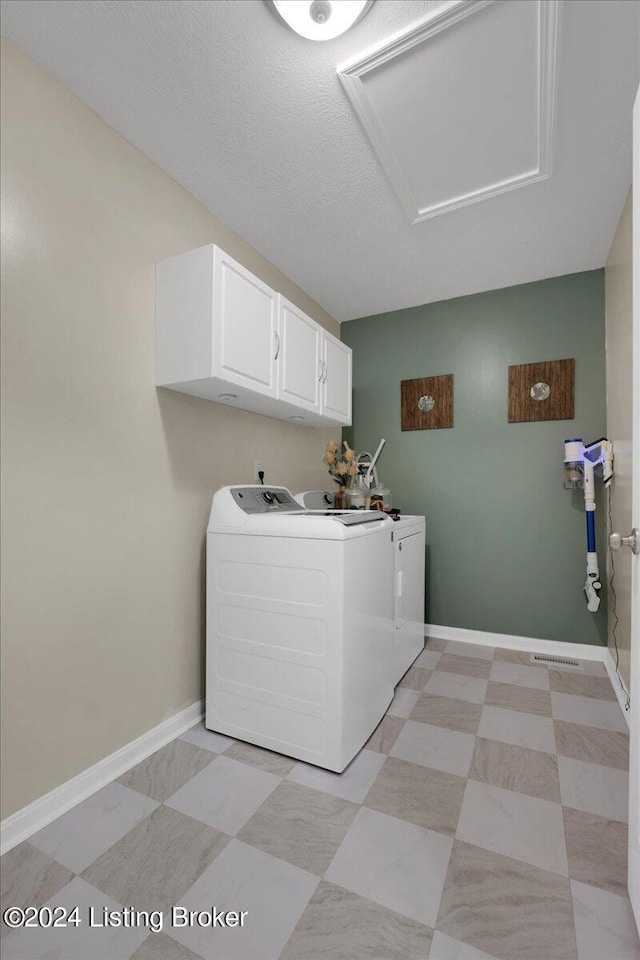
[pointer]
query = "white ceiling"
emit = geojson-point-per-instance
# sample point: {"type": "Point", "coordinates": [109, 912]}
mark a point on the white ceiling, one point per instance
{"type": "Point", "coordinates": [254, 122]}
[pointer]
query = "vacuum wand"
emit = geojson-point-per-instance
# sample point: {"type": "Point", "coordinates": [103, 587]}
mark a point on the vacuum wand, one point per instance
{"type": "Point", "coordinates": [580, 462]}
{"type": "Point", "coordinates": [374, 461]}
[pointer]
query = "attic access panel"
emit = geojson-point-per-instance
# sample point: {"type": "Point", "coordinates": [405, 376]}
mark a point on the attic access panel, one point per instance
{"type": "Point", "coordinates": [460, 107]}
{"type": "Point", "coordinates": [541, 391]}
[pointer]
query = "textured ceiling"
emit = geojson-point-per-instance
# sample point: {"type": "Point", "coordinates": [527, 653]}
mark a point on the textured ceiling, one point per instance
{"type": "Point", "coordinates": [254, 122]}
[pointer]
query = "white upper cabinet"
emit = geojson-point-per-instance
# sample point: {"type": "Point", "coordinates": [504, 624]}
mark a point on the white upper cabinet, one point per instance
{"type": "Point", "coordinates": [300, 361]}
{"type": "Point", "coordinates": [222, 334]}
{"type": "Point", "coordinates": [245, 335]}
{"type": "Point", "coordinates": [336, 380]}
{"type": "Point", "coordinates": [216, 324]}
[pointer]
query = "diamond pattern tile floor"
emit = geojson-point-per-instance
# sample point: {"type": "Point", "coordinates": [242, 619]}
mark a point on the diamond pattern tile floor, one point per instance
{"type": "Point", "coordinates": [273, 893]}
{"type": "Point", "coordinates": [225, 794]}
{"type": "Point", "coordinates": [166, 770]}
{"type": "Point", "coordinates": [29, 878]}
{"type": "Point", "coordinates": [394, 863]}
{"type": "Point", "coordinates": [456, 685]}
{"type": "Point", "coordinates": [437, 747]}
{"type": "Point", "coordinates": [514, 697]}
{"type": "Point", "coordinates": [78, 837]}
{"type": "Point", "coordinates": [517, 673]}
{"type": "Point", "coordinates": [594, 788]}
{"type": "Point", "coordinates": [506, 908]}
{"type": "Point", "coordinates": [516, 768]}
{"type": "Point", "coordinates": [606, 747]}
{"type": "Point", "coordinates": [605, 927]}
{"type": "Point", "coordinates": [403, 702]}
{"type": "Point", "coordinates": [352, 784]}
{"type": "Point", "coordinates": [515, 825]}
{"type": "Point", "coordinates": [156, 861]}
{"type": "Point", "coordinates": [75, 942]}
{"type": "Point", "coordinates": [303, 826]}
{"type": "Point", "coordinates": [447, 712]}
{"type": "Point", "coordinates": [485, 818]}
{"type": "Point", "coordinates": [338, 923]}
{"type": "Point", "coordinates": [516, 727]}
{"type": "Point", "coordinates": [588, 710]}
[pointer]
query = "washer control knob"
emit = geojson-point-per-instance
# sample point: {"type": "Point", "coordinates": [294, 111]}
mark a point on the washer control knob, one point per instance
{"type": "Point", "coordinates": [267, 496]}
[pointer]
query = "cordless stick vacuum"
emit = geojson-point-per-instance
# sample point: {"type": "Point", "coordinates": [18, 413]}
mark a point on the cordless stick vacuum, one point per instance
{"type": "Point", "coordinates": [580, 462]}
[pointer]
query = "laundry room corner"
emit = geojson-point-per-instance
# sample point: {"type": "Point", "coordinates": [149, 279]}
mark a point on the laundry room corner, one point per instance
{"type": "Point", "coordinates": [506, 541]}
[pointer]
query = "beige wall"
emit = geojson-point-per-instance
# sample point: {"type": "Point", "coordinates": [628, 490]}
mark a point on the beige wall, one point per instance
{"type": "Point", "coordinates": [106, 481]}
{"type": "Point", "coordinates": [619, 316]}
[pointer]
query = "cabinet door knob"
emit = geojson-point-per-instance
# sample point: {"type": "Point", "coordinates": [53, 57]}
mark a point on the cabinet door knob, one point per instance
{"type": "Point", "coordinates": [320, 369]}
{"type": "Point", "coordinates": [276, 337]}
{"type": "Point", "coordinates": [324, 379]}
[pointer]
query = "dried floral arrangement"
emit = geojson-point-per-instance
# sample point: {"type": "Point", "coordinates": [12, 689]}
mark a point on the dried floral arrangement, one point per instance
{"type": "Point", "coordinates": [342, 462]}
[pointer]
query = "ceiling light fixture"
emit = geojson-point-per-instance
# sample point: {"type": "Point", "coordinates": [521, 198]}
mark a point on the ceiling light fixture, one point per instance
{"type": "Point", "coordinates": [321, 19]}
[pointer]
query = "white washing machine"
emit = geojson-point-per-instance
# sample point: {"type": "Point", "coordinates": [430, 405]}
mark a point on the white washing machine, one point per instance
{"type": "Point", "coordinates": [300, 624]}
{"type": "Point", "coordinates": [408, 551]}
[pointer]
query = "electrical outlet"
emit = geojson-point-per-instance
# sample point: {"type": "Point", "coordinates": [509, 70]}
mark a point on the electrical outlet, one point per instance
{"type": "Point", "coordinates": [258, 467]}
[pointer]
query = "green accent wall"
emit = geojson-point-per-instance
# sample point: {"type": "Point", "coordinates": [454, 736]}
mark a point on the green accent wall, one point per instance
{"type": "Point", "coordinates": [506, 543]}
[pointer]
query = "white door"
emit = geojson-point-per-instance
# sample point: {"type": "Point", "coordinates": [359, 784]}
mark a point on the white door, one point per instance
{"type": "Point", "coordinates": [336, 380]}
{"type": "Point", "coordinates": [634, 773]}
{"type": "Point", "coordinates": [245, 338]}
{"type": "Point", "coordinates": [300, 368]}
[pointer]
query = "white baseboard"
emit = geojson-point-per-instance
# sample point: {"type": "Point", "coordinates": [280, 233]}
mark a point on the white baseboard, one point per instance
{"type": "Point", "coordinates": [620, 691]}
{"type": "Point", "coordinates": [25, 822]}
{"type": "Point", "coordinates": [583, 651]}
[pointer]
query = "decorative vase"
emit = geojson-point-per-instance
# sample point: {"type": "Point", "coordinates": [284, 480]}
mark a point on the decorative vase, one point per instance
{"type": "Point", "coordinates": [339, 499]}
{"type": "Point", "coordinates": [355, 497]}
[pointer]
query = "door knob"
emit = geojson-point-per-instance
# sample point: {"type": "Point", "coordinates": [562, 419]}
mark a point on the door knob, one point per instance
{"type": "Point", "coordinates": [617, 542]}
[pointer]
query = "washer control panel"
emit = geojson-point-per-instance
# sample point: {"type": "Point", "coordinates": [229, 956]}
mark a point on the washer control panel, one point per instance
{"type": "Point", "coordinates": [260, 499]}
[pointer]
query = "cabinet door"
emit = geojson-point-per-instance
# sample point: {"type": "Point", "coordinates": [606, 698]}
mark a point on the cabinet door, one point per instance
{"type": "Point", "coordinates": [300, 367]}
{"type": "Point", "coordinates": [336, 386]}
{"type": "Point", "coordinates": [245, 343]}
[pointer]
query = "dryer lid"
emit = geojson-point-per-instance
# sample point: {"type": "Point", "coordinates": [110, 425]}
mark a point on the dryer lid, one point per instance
{"type": "Point", "coordinates": [350, 518]}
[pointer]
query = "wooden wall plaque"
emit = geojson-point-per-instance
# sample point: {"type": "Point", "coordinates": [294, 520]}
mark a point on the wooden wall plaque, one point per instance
{"type": "Point", "coordinates": [559, 375]}
{"type": "Point", "coordinates": [440, 416]}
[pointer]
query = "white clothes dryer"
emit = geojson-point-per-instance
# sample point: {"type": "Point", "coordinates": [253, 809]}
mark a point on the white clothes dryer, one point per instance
{"type": "Point", "coordinates": [408, 548]}
{"type": "Point", "coordinates": [300, 624]}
